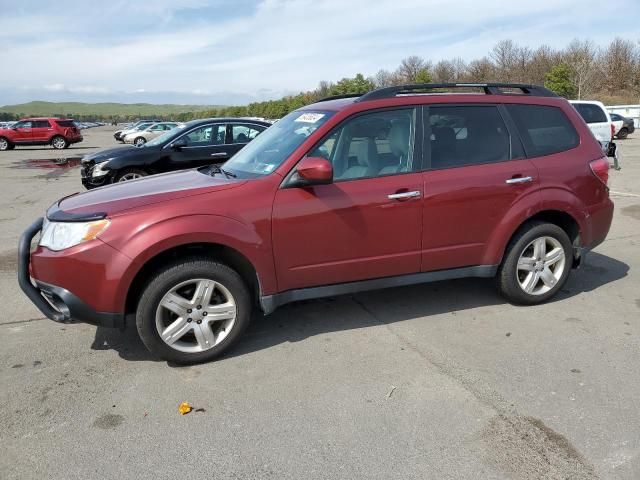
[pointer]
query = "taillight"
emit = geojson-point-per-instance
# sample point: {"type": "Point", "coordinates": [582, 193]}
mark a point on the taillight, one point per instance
{"type": "Point", "coordinates": [600, 169]}
{"type": "Point", "coordinates": [613, 131]}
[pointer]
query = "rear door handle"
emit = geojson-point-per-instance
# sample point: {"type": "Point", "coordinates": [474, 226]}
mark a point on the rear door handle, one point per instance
{"type": "Point", "coordinates": [403, 195]}
{"type": "Point", "coordinates": [220, 154]}
{"type": "Point", "coordinates": [517, 180]}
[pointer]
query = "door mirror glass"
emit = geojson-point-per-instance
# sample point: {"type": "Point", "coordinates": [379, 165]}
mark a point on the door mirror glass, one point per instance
{"type": "Point", "coordinates": [313, 171]}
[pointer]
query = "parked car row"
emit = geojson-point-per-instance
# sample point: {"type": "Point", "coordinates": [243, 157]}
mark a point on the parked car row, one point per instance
{"type": "Point", "coordinates": [83, 125]}
{"type": "Point", "coordinates": [337, 197]}
{"type": "Point", "coordinates": [57, 132]}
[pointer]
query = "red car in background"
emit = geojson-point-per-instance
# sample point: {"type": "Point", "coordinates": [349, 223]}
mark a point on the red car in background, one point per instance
{"type": "Point", "coordinates": [57, 132]}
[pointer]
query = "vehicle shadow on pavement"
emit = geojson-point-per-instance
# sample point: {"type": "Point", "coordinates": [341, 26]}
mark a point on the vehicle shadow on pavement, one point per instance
{"type": "Point", "coordinates": [300, 320]}
{"type": "Point", "coordinates": [127, 343]}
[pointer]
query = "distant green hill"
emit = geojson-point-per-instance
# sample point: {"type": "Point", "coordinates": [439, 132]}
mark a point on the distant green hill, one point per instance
{"type": "Point", "coordinates": [100, 110]}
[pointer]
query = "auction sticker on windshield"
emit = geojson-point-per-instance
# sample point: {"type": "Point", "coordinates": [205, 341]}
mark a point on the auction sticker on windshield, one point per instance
{"type": "Point", "coordinates": [309, 117]}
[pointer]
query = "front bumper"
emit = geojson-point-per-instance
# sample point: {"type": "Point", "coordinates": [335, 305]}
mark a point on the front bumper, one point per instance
{"type": "Point", "coordinates": [88, 181]}
{"type": "Point", "coordinates": [57, 303]}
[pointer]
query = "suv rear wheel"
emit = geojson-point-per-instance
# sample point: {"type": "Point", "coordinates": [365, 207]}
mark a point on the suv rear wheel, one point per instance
{"type": "Point", "coordinates": [537, 264]}
{"type": "Point", "coordinates": [58, 142]}
{"type": "Point", "coordinates": [193, 310]}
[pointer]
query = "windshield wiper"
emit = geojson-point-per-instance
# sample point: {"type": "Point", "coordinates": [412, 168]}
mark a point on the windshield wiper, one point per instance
{"type": "Point", "coordinates": [216, 169]}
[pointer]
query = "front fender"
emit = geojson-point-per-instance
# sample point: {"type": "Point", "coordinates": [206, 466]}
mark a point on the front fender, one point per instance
{"type": "Point", "coordinates": [141, 239]}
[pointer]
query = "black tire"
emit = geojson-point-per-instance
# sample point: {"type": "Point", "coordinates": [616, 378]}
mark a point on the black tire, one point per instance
{"type": "Point", "coordinates": [183, 271]}
{"type": "Point", "coordinates": [122, 176]}
{"type": "Point", "coordinates": [59, 142]}
{"type": "Point", "coordinates": [623, 133]}
{"type": "Point", "coordinates": [139, 141]}
{"type": "Point", "coordinates": [507, 277]}
{"type": "Point", "coordinates": [5, 144]}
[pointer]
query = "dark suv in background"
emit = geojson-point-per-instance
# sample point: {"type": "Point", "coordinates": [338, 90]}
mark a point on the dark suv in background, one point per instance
{"type": "Point", "coordinates": [189, 145]}
{"type": "Point", "coordinates": [385, 189]}
{"type": "Point", "coordinates": [57, 132]}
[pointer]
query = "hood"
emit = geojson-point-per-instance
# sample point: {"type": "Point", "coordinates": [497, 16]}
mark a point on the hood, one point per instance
{"type": "Point", "coordinates": [109, 153]}
{"type": "Point", "coordinates": [119, 197]}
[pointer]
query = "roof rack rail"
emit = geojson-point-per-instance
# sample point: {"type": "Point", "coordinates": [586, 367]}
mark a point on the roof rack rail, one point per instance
{"type": "Point", "coordinates": [338, 97]}
{"type": "Point", "coordinates": [488, 88]}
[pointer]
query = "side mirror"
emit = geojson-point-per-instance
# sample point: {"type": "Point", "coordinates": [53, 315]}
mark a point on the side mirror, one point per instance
{"type": "Point", "coordinates": [178, 144]}
{"type": "Point", "coordinates": [313, 171]}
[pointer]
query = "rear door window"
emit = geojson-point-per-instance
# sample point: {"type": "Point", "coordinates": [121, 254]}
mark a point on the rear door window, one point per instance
{"type": "Point", "coordinates": [544, 130]}
{"type": "Point", "coordinates": [206, 136]}
{"type": "Point", "coordinates": [41, 124]}
{"type": "Point", "coordinates": [66, 123]}
{"type": "Point", "coordinates": [244, 133]}
{"type": "Point", "coordinates": [469, 135]}
{"type": "Point", "coordinates": [591, 113]}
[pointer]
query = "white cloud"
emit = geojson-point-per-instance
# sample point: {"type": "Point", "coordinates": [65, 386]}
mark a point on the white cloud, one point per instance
{"type": "Point", "coordinates": [279, 46]}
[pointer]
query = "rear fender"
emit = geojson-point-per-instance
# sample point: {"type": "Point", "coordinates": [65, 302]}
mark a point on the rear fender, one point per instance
{"type": "Point", "coordinates": [557, 199]}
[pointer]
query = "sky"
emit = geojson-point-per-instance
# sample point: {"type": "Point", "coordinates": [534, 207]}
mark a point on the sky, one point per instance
{"type": "Point", "coordinates": [237, 51]}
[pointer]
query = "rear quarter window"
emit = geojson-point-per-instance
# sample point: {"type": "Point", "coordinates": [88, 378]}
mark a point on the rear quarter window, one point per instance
{"type": "Point", "coordinates": [591, 113]}
{"type": "Point", "coordinates": [66, 123]}
{"type": "Point", "coordinates": [544, 130]}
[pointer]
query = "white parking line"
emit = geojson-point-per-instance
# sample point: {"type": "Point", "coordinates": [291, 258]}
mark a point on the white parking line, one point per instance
{"type": "Point", "coordinates": [624, 194]}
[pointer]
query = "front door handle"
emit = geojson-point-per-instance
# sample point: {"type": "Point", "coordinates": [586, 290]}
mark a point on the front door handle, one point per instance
{"type": "Point", "coordinates": [219, 154]}
{"type": "Point", "coordinates": [517, 180]}
{"type": "Point", "coordinates": [403, 195]}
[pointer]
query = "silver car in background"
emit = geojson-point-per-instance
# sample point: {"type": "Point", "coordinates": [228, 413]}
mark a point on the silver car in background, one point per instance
{"type": "Point", "coordinates": [140, 137]}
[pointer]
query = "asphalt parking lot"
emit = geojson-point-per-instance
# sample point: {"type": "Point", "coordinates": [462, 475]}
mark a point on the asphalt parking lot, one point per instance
{"type": "Point", "coordinates": [443, 381]}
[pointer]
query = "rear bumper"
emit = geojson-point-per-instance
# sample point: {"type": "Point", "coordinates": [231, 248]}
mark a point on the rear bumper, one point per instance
{"type": "Point", "coordinates": [55, 302]}
{"type": "Point", "coordinates": [601, 216]}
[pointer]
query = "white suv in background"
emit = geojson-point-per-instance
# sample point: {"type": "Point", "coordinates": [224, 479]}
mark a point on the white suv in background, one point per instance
{"type": "Point", "coordinates": [600, 124]}
{"type": "Point", "coordinates": [596, 117]}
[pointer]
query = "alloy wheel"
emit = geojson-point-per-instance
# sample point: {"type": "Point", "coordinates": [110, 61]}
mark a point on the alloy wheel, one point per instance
{"type": "Point", "coordinates": [4, 145]}
{"type": "Point", "coordinates": [196, 315]}
{"type": "Point", "coordinates": [541, 265]}
{"type": "Point", "coordinates": [129, 176]}
{"type": "Point", "coordinates": [59, 143]}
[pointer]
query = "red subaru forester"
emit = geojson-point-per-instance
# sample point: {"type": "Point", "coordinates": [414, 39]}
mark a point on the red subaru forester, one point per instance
{"type": "Point", "coordinates": [401, 185]}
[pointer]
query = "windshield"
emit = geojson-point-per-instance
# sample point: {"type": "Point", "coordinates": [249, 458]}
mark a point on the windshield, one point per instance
{"type": "Point", "coordinates": [272, 147]}
{"type": "Point", "coordinates": [165, 136]}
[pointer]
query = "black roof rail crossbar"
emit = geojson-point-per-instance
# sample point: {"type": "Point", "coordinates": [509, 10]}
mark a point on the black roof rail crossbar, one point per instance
{"type": "Point", "coordinates": [488, 88]}
{"type": "Point", "coordinates": [338, 97]}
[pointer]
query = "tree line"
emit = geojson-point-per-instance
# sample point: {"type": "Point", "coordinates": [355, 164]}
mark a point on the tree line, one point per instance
{"type": "Point", "coordinates": [581, 70]}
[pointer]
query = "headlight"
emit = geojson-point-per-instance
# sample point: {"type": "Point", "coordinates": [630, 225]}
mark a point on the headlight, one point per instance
{"type": "Point", "coordinates": [61, 235]}
{"type": "Point", "coordinates": [99, 170]}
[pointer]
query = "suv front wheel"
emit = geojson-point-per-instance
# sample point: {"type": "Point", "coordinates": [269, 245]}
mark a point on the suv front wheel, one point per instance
{"type": "Point", "coordinates": [536, 265]}
{"type": "Point", "coordinates": [193, 310]}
